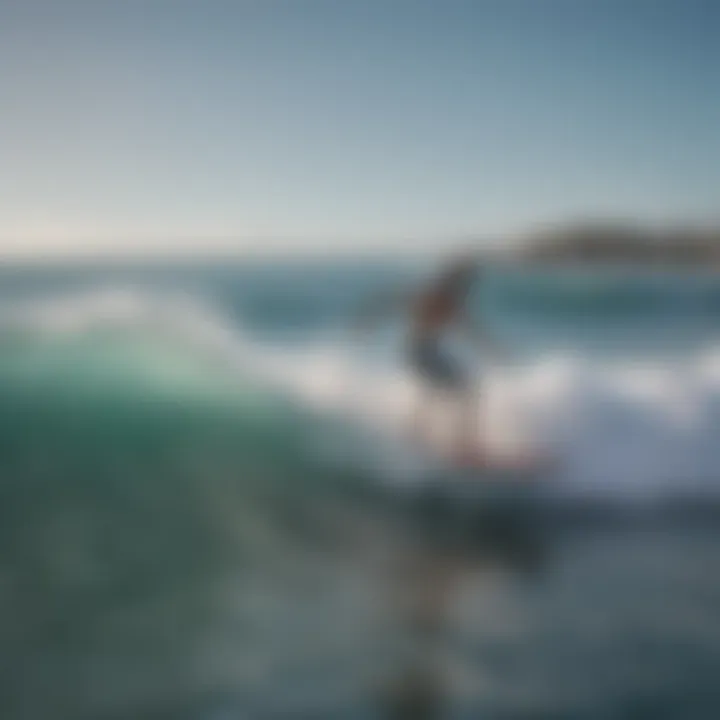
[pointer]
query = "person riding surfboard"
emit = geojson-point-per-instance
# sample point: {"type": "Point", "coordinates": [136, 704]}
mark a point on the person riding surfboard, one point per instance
{"type": "Point", "coordinates": [433, 310]}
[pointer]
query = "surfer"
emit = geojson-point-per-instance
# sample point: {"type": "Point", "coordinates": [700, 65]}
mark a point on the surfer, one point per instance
{"type": "Point", "coordinates": [432, 311]}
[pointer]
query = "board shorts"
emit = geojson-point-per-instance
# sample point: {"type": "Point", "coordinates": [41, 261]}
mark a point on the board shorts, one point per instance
{"type": "Point", "coordinates": [436, 366]}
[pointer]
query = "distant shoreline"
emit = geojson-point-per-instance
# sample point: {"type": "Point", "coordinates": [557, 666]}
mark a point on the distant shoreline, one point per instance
{"type": "Point", "coordinates": [583, 245]}
{"type": "Point", "coordinates": [598, 244]}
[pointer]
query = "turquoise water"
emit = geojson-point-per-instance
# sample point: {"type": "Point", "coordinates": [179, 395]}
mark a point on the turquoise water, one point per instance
{"type": "Point", "coordinates": [201, 516]}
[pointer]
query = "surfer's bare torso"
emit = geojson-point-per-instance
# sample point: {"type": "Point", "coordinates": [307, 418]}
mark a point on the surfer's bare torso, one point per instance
{"type": "Point", "coordinates": [432, 312]}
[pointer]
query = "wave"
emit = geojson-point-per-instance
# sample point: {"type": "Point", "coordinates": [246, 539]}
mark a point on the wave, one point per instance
{"type": "Point", "coordinates": [628, 430]}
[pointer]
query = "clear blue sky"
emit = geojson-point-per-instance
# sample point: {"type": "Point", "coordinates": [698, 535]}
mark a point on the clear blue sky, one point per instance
{"type": "Point", "coordinates": [163, 124]}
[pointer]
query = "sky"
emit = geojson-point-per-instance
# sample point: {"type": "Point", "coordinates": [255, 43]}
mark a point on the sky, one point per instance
{"type": "Point", "coordinates": [134, 126]}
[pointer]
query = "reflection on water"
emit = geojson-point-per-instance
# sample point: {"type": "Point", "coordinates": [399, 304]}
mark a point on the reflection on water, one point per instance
{"type": "Point", "coordinates": [450, 546]}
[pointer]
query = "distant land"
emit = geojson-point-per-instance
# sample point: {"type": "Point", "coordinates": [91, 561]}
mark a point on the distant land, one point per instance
{"type": "Point", "coordinates": [611, 243]}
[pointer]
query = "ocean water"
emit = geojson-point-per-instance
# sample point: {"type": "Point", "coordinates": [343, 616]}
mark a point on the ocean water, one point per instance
{"type": "Point", "coordinates": [207, 509]}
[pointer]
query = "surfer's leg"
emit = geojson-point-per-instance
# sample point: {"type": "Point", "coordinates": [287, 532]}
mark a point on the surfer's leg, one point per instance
{"type": "Point", "coordinates": [449, 379]}
{"type": "Point", "coordinates": [468, 437]}
{"type": "Point", "coordinates": [424, 413]}
{"type": "Point", "coordinates": [419, 417]}
{"type": "Point", "coordinates": [422, 362]}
